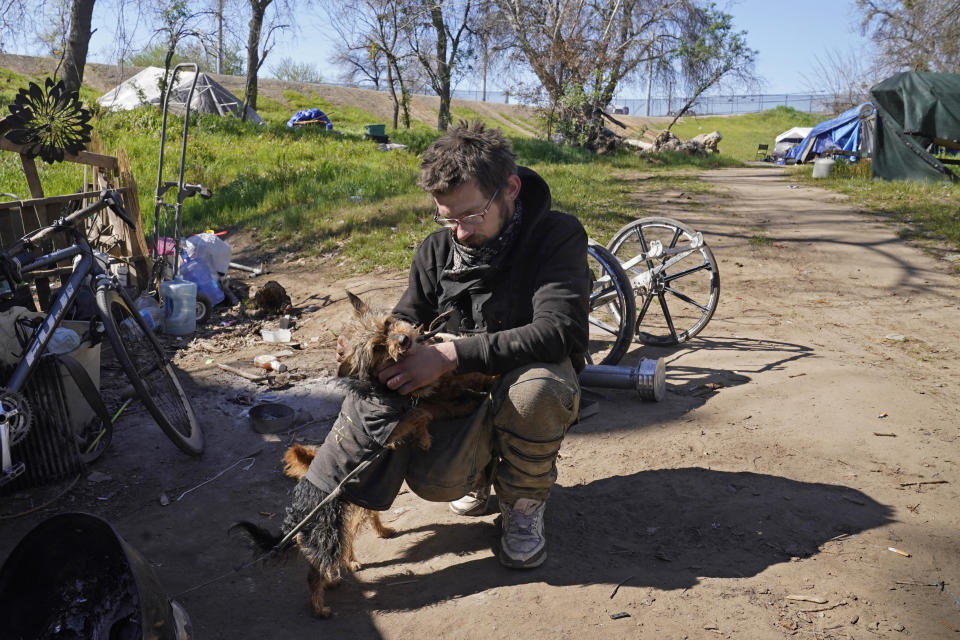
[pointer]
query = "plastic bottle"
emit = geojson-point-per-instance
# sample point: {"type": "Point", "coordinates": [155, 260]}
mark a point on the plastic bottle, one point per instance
{"type": "Point", "coordinates": [152, 312]}
{"type": "Point", "coordinates": [197, 272]}
{"type": "Point", "coordinates": [179, 306]}
{"type": "Point", "coordinates": [63, 340]}
{"type": "Point", "coordinates": [270, 363]}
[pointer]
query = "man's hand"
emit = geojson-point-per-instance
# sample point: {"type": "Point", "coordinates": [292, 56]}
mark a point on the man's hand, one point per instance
{"type": "Point", "coordinates": [420, 368]}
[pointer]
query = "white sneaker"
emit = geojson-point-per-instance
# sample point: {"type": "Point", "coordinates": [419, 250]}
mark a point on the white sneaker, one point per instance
{"type": "Point", "coordinates": [474, 503]}
{"type": "Point", "coordinates": [522, 543]}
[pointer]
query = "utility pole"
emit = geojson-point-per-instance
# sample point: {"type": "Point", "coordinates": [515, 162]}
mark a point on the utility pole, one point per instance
{"type": "Point", "coordinates": [219, 36]}
{"type": "Point", "coordinates": [649, 83]}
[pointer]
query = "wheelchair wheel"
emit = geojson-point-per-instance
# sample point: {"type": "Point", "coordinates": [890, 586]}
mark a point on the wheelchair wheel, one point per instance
{"type": "Point", "coordinates": [612, 308]}
{"type": "Point", "coordinates": [674, 277]}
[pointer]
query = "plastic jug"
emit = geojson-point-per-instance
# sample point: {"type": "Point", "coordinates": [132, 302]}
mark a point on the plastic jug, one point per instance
{"type": "Point", "coordinates": [197, 272]}
{"type": "Point", "coordinates": [179, 306]}
{"type": "Point", "coordinates": [153, 314]}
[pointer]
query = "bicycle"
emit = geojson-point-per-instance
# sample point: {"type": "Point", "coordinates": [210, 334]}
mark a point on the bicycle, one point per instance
{"type": "Point", "coordinates": [649, 259]}
{"type": "Point", "coordinates": [134, 346]}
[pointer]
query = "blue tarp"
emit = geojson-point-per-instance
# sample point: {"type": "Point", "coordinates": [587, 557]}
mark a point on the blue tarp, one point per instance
{"type": "Point", "coordinates": [843, 132]}
{"type": "Point", "coordinates": [310, 115]}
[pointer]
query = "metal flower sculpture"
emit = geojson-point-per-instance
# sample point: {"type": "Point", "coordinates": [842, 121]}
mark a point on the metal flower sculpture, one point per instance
{"type": "Point", "coordinates": [48, 121]}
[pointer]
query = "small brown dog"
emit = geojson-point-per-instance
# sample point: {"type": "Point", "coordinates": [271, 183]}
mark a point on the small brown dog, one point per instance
{"type": "Point", "coordinates": [375, 339]}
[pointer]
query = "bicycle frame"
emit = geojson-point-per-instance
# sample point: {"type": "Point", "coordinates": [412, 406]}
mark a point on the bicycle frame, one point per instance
{"type": "Point", "coordinates": [86, 266]}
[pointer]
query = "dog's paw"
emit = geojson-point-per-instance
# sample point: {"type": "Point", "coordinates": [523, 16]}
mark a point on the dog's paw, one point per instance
{"type": "Point", "coordinates": [354, 566]}
{"type": "Point", "coordinates": [424, 440]}
{"type": "Point", "coordinates": [322, 612]}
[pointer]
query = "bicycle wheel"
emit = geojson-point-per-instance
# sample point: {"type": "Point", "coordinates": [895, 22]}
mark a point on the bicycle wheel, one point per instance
{"type": "Point", "coordinates": [669, 262]}
{"type": "Point", "coordinates": [612, 308]}
{"type": "Point", "coordinates": [153, 378]}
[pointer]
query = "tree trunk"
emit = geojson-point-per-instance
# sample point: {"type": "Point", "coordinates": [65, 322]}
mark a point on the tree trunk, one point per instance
{"type": "Point", "coordinates": [75, 54]}
{"type": "Point", "coordinates": [443, 69]}
{"type": "Point", "coordinates": [258, 9]}
{"type": "Point", "coordinates": [393, 92]}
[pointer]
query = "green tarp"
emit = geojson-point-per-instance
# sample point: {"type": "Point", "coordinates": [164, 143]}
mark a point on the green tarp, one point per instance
{"type": "Point", "coordinates": [914, 111]}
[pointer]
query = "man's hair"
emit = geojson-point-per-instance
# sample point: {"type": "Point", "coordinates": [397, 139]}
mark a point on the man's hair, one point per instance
{"type": "Point", "coordinates": [467, 152]}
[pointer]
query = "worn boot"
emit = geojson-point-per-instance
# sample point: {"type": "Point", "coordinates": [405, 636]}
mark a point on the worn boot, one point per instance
{"type": "Point", "coordinates": [522, 543]}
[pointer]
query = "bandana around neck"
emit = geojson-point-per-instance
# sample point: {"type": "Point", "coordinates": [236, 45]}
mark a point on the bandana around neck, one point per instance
{"type": "Point", "coordinates": [473, 261]}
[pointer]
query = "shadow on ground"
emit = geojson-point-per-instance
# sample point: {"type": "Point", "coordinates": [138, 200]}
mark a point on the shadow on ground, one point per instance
{"type": "Point", "coordinates": [664, 529]}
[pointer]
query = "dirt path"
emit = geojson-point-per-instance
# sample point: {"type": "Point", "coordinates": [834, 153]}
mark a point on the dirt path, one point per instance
{"type": "Point", "coordinates": [766, 473]}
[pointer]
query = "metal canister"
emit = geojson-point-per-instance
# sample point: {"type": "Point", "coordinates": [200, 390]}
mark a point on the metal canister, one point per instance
{"type": "Point", "coordinates": [648, 379]}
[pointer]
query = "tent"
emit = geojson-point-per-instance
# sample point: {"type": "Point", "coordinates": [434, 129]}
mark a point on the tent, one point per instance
{"type": "Point", "coordinates": [209, 96]}
{"type": "Point", "coordinates": [789, 139]}
{"type": "Point", "coordinates": [916, 112]}
{"type": "Point", "coordinates": [851, 131]}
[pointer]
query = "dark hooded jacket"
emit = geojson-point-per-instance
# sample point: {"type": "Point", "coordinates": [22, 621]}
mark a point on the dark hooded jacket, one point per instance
{"type": "Point", "coordinates": [531, 307]}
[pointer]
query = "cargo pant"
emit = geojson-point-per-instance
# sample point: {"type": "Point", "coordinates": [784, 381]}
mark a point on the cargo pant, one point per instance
{"type": "Point", "coordinates": [512, 440]}
{"type": "Point", "coordinates": [533, 407]}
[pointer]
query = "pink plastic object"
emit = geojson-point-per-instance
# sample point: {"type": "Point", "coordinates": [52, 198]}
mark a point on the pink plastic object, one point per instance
{"type": "Point", "coordinates": [166, 246]}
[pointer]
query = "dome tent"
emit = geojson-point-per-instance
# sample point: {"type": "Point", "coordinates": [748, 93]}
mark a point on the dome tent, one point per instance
{"type": "Point", "coordinates": [915, 111]}
{"type": "Point", "coordinates": [209, 96]}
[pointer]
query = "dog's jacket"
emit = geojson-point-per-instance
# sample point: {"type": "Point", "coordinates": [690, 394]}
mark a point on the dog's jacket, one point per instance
{"type": "Point", "coordinates": [360, 431]}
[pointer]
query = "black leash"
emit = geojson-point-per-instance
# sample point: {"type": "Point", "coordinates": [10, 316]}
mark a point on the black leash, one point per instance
{"type": "Point", "coordinates": [280, 546]}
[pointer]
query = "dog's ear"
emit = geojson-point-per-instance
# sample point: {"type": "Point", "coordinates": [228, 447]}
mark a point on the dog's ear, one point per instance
{"type": "Point", "coordinates": [358, 305]}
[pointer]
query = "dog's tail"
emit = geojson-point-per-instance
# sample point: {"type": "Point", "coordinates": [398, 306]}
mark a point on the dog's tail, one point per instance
{"type": "Point", "coordinates": [260, 537]}
{"type": "Point", "coordinates": [297, 459]}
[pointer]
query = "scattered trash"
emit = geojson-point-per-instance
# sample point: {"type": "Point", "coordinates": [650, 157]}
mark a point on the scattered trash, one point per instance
{"type": "Point", "coordinates": [617, 616]}
{"type": "Point", "coordinates": [899, 552]}
{"type": "Point", "coordinates": [270, 363]}
{"type": "Point", "coordinates": [164, 500]}
{"type": "Point", "coordinates": [888, 435]}
{"type": "Point", "coordinates": [208, 361]}
{"type": "Point", "coordinates": [882, 415]}
{"type": "Point", "coordinates": [251, 458]}
{"type": "Point", "coordinates": [895, 337]}
{"type": "Point", "coordinates": [98, 476]}
{"type": "Point", "coordinates": [271, 417]}
{"type": "Point", "coordinates": [310, 308]}
{"type": "Point", "coordinates": [276, 335]}
{"type": "Point", "coordinates": [243, 267]}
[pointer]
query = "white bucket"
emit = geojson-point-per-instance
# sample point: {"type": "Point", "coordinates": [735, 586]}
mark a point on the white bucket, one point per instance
{"type": "Point", "coordinates": [822, 167]}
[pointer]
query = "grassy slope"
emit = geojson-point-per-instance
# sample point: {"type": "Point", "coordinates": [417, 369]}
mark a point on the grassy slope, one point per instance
{"type": "Point", "coordinates": [311, 190]}
{"type": "Point", "coordinates": [742, 134]}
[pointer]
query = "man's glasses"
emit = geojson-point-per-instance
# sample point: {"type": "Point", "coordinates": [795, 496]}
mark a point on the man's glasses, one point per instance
{"type": "Point", "coordinates": [472, 219]}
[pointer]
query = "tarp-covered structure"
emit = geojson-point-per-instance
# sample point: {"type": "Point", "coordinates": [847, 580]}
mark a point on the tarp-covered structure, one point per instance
{"type": "Point", "coordinates": [916, 112]}
{"type": "Point", "coordinates": [789, 139]}
{"type": "Point", "coordinates": [209, 96]}
{"type": "Point", "coordinates": [852, 130]}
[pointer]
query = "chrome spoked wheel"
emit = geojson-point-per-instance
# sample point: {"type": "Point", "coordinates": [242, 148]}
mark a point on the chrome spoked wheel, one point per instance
{"type": "Point", "coordinates": [673, 275]}
{"type": "Point", "coordinates": [612, 308]}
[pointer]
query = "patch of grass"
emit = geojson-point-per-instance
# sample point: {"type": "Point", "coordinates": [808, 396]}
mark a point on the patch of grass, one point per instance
{"type": "Point", "coordinates": [759, 240]}
{"type": "Point", "coordinates": [312, 191]}
{"type": "Point", "coordinates": [742, 133]}
{"type": "Point", "coordinates": [930, 210]}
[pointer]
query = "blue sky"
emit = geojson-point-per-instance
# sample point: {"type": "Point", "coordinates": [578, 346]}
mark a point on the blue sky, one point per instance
{"type": "Point", "coordinates": [786, 33]}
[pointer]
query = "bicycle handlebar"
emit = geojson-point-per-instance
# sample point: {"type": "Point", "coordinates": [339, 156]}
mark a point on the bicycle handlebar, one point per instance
{"type": "Point", "coordinates": [108, 198]}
